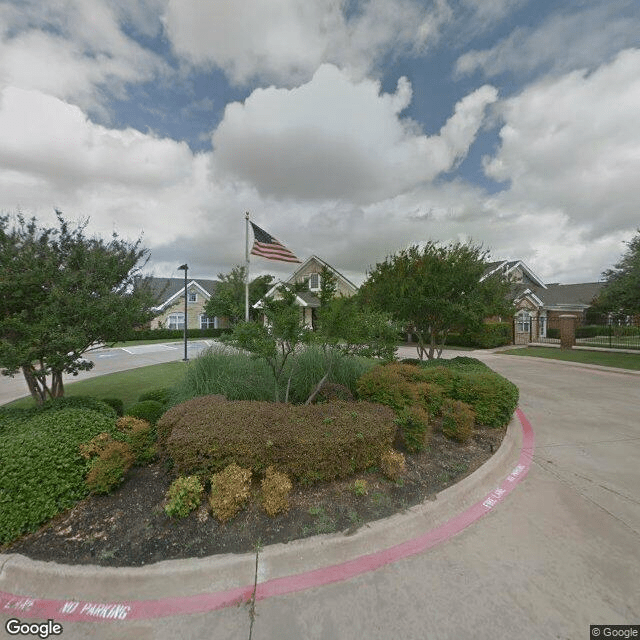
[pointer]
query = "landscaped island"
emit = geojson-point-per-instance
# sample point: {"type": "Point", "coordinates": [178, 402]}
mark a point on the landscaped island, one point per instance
{"type": "Point", "coordinates": [211, 465]}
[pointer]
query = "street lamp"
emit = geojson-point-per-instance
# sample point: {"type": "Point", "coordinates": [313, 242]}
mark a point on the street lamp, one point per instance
{"type": "Point", "coordinates": [184, 267]}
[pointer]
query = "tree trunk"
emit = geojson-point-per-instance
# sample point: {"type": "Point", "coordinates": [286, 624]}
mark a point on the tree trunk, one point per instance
{"type": "Point", "coordinates": [57, 385]}
{"type": "Point", "coordinates": [37, 392]}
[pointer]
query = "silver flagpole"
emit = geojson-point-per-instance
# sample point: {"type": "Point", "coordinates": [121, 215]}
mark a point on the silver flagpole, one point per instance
{"type": "Point", "coordinates": [246, 282]}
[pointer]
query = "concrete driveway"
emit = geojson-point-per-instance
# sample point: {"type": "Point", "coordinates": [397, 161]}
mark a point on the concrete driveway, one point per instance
{"type": "Point", "coordinates": [559, 553]}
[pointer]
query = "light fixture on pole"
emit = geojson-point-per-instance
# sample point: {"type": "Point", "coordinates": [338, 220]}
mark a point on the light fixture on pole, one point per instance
{"type": "Point", "coordinates": [184, 267]}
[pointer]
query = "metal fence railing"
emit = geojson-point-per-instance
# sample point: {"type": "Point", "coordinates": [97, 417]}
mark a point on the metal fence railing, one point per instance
{"type": "Point", "coordinates": [610, 332]}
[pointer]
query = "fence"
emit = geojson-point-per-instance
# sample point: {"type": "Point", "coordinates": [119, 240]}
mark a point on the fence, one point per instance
{"type": "Point", "coordinates": [611, 332]}
{"type": "Point", "coordinates": [602, 330]}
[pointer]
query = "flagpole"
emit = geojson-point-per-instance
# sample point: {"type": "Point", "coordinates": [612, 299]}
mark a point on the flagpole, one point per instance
{"type": "Point", "coordinates": [246, 282]}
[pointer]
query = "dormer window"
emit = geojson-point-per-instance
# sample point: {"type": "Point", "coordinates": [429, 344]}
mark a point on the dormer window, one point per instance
{"type": "Point", "coordinates": [314, 282]}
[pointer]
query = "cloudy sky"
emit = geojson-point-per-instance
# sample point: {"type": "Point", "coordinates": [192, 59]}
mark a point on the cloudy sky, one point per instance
{"type": "Point", "coordinates": [347, 128]}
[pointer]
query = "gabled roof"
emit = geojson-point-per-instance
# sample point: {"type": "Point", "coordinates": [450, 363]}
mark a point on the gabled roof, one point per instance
{"type": "Point", "coordinates": [321, 262]}
{"type": "Point", "coordinates": [509, 266]}
{"type": "Point", "coordinates": [168, 290]}
{"type": "Point", "coordinates": [303, 298]}
{"type": "Point", "coordinates": [571, 295]}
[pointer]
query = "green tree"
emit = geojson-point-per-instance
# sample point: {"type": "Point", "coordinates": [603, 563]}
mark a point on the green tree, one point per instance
{"type": "Point", "coordinates": [357, 330]}
{"type": "Point", "coordinates": [60, 293]}
{"type": "Point", "coordinates": [328, 285]}
{"type": "Point", "coordinates": [275, 340]}
{"type": "Point", "coordinates": [436, 289]}
{"type": "Point", "coordinates": [621, 293]}
{"type": "Point", "coordinates": [228, 299]}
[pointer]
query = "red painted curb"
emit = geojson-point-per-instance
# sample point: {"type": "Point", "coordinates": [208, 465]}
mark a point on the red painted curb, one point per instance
{"type": "Point", "coordinates": [61, 610]}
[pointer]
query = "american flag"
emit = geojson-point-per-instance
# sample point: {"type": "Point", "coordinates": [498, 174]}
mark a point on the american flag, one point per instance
{"type": "Point", "coordinates": [266, 246]}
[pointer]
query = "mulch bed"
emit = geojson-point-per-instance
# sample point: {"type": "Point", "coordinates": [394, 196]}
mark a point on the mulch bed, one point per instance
{"type": "Point", "coordinates": [129, 527]}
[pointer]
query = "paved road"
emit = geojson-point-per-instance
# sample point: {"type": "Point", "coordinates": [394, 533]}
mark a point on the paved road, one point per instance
{"type": "Point", "coordinates": [561, 552]}
{"type": "Point", "coordinates": [110, 361]}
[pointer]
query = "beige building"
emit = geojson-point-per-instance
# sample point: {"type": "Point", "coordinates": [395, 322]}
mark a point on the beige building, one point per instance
{"type": "Point", "coordinates": [170, 308]}
{"type": "Point", "coordinates": [310, 272]}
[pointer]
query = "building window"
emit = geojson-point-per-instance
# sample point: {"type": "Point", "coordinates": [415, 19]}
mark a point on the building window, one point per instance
{"type": "Point", "coordinates": [192, 296]}
{"type": "Point", "coordinates": [208, 323]}
{"type": "Point", "coordinates": [175, 321]}
{"type": "Point", "coordinates": [314, 282]}
{"type": "Point", "coordinates": [523, 322]}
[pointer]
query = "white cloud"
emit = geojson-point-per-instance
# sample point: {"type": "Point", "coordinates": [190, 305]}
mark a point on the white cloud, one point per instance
{"type": "Point", "coordinates": [565, 41]}
{"type": "Point", "coordinates": [570, 151]}
{"type": "Point", "coordinates": [336, 138]}
{"type": "Point", "coordinates": [51, 154]}
{"type": "Point", "coordinates": [72, 51]}
{"type": "Point", "coordinates": [286, 40]}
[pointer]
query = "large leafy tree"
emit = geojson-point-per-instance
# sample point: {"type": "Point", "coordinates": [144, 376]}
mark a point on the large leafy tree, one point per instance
{"type": "Point", "coordinates": [621, 293]}
{"type": "Point", "coordinates": [60, 293]}
{"type": "Point", "coordinates": [435, 289]}
{"type": "Point", "coordinates": [354, 329]}
{"type": "Point", "coordinates": [228, 300]}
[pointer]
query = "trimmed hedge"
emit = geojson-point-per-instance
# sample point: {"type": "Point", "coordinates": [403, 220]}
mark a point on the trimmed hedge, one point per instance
{"type": "Point", "coordinates": [489, 336]}
{"type": "Point", "coordinates": [308, 443]}
{"type": "Point", "coordinates": [149, 410]}
{"type": "Point", "coordinates": [41, 469]}
{"type": "Point", "coordinates": [492, 397]}
{"type": "Point", "coordinates": [172, 334]}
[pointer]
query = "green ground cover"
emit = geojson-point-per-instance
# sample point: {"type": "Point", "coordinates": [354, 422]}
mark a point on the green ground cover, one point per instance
{"type": "Point", "coordinates": [603, 358]}
{"type": "Point", "coordinates": [126, 385]}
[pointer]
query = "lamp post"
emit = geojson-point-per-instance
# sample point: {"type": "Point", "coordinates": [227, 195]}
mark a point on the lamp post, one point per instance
{"type": "Point", "coordinates": [184, 267]}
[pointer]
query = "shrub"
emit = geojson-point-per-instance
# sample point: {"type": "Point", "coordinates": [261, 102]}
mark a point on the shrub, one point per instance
{"type": "Point", "coordinates": [275, 492]}
{"type": "Point", "coordinates": [308, 443]}
{"type": "Point", "coordinates": [443, 376]}
{"type": "Point", "coordinates": [109, 468]}
{"type": "Point", "coordinates": [116, 404]}
{"type": "Point", "coordinates": [430, 396]}
{"type": "Point", "coordinates": [392, 464]}
{"type": "Point", "coordinates": [386, 385]}
{"type": "Point", "coordinates": [360, 487]}
{"type": "Point", "coordinates": [41, 470]}
{"type": "Point", "coordinates": [78, 402]}
{"type": "Point", "coordinates": [149, 410]}
{"type": "Point", "coordinates": [183, 496]}
{"type": "Point", "coordinates": [492, 397]}
{"type": "Point", "coordinates": [457, 420]}
{"type": "Point", "coordinates": [488, 336]}
{"type": "Point", "coordinates": [415, 429]}
{"type": "Point", "coordinates": [230, 490]}
{"type": "Point", "coordinates": [95, 446]}
{"type": "Point", "coordinates": [331, 391]}
{"type": "Point", "coordinates": [140, 437]}
{"type": "Point", "coordinates": [200, 409]}
{"type": "Point", "coordinates": [161, 395]}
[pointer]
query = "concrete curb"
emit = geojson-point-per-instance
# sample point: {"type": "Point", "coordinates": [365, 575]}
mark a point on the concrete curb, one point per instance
{"type": "Point", "coordinates": [232, 572]}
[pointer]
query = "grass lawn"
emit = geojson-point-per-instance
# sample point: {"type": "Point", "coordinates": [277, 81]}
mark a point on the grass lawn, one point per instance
{"type": "Point", "coordinates": [126, 385]}
{"type": "Point", "coordinates": [604, 358]}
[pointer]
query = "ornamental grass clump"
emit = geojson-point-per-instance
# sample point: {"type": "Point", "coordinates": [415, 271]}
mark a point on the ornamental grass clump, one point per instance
{"type": "Point", "coordinates": [275, 492]}
{"type": "Point", "coordinates": [457, 420]}
{"type": "Point", "coordinates": [230, 490]}
{"type": "Point", "coordinates": [183, 496]}
{"type": "Point", "coordinates": [392, 464]}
